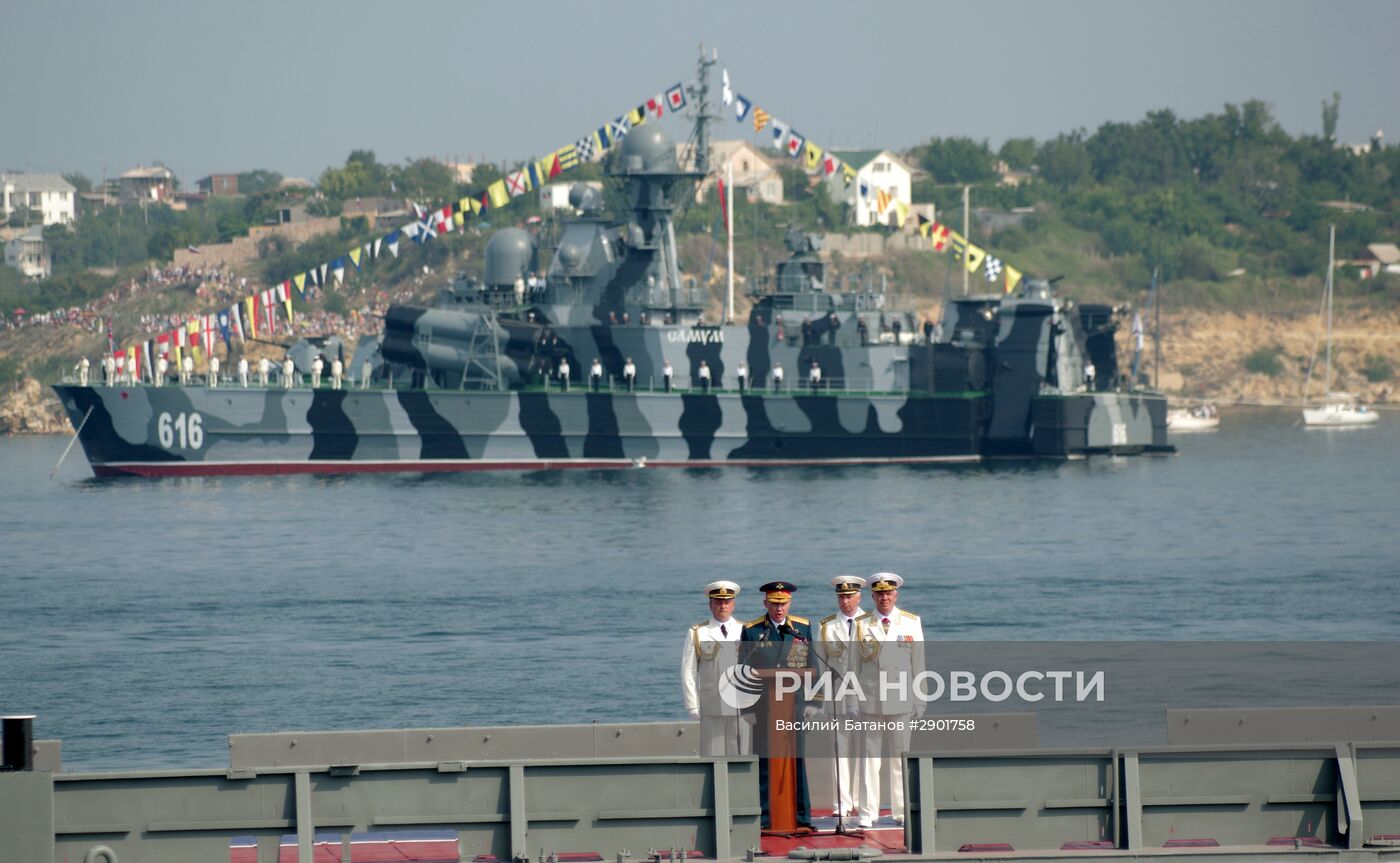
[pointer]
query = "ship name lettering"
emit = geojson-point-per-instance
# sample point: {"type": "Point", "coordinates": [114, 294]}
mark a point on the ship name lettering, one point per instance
{"type": "Point", "coordinates": [700, 337]}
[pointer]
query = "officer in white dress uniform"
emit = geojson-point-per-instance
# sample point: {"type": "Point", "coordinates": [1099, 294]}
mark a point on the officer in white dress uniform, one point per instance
{"type": "Point", "coordinates": [711, 647]}
{"type": "Point", "coordinates": [836, 640]}
{"type": "Point", "coordinates": [890, 641]}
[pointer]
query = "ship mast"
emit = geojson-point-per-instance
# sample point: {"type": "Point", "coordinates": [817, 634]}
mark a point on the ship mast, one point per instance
{"type": "Point", "coordinates": [700, 92]}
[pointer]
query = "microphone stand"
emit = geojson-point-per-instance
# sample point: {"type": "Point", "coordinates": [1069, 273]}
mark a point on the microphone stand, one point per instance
{"type": "Point", "coordinates": [835, 740]}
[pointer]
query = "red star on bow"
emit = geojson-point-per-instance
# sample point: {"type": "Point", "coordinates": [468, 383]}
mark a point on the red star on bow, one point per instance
{"type": "Point", "coordinates": [125, 394]}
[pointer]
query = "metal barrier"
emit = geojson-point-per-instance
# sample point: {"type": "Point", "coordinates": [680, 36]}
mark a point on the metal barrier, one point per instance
{"type": "Point", "coordinates": [1298, 795]}
{"type": "Point", "coordinates": [507, 809]}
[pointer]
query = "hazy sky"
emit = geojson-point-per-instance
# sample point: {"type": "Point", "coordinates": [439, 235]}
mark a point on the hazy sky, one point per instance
{"type": "Point", "coordinates": [295, 85]}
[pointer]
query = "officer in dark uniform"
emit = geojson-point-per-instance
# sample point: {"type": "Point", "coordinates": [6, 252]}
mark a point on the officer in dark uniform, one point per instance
{"type": "Point", "coordinates": [779, 640]}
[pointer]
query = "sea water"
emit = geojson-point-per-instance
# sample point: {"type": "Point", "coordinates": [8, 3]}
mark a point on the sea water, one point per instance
{"type": "Point", "coordinates": [145, 620]}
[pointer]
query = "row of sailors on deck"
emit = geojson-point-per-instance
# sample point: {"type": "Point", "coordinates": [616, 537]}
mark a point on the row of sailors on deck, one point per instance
{"type": "Point", "coordinates": [884, 641]}
{"type": "Point", "coordinates": [116, 372]}
{"type": "Point", "coordinates": [596, 375]}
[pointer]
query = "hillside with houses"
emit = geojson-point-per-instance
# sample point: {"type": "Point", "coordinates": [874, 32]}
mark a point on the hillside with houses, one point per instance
{"type": "Point", "coordinates": [1229, 211]}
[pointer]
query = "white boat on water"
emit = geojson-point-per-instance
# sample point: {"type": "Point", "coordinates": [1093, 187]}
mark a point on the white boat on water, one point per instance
{"type": "Point", "coordinates": [1338, 410]}
{"type": "Point", "coordinates": [1195, 419]}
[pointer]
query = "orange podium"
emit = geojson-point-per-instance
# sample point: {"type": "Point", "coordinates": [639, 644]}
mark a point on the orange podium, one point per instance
{"type": "Point", "coordinates": [783, 756]}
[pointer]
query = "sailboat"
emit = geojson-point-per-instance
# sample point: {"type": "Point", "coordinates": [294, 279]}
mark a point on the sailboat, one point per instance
{"type": "Point", "coordinates": [1338, 410]}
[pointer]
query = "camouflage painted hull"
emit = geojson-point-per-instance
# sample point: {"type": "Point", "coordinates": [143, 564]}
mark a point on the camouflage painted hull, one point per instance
{"type": "Point", "coordinates": [198, 430]}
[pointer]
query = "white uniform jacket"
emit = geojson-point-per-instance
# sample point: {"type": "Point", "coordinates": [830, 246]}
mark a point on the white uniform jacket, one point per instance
{"type": "Point", "coordinates": [892, 652]}
{"type": "Point", "coordinates": [707, 654]}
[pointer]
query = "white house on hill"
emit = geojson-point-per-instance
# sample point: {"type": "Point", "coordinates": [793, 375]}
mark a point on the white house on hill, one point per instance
{"type": "Point", "coordinates": [876, 170]}
{"type": "Point", "coordinates": [28, 253]}
{"type": "Point", "coordinates": [51, 199]}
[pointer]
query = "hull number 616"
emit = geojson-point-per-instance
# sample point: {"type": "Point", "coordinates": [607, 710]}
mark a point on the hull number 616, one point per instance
{"type": "Point", "coordinates": [188, 428]}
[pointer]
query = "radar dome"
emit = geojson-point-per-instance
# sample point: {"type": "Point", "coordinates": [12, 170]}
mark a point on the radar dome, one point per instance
{"type": "Point", "coordinates": [585, 198]}
{"type": "Point", "coordinates": [508, 256]}
{"type": "Point", "coordinates": [648, 148]}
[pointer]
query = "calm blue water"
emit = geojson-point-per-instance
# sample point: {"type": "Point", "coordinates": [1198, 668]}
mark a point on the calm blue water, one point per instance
{"type": "Point", "coordinates": [144, 620]}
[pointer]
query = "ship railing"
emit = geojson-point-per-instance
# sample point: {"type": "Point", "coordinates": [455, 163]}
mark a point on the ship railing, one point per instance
{"type": "Point", "coordinates": [862, 385]}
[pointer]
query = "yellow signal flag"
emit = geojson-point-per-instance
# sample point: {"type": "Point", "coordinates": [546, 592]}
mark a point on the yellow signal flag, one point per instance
{"type": "Point", "coordinates": [882, 200]}
{"type": "Point", "coordinates": [760, 118]}
{"type": "Point", "coordinates": [814, 156]}
{"type": "Point", "coordinates": [355, 256]}
{"type": "Point", "coordinates": [901, 212]}
{"type": "Point", "coordinates": [300, 281]}
{"type": "Point", "coordinates": [974, 257]}
{"type": "Point", "coordinates": [637, 116]}
{"type": "Point", "coordinates": [1013, 277]}
{"type": "Point", "coordinates": [250, 320]}
{"type": "Point", "coordinates": [848, 174]}
{"type": "Point", "coordinates": [475, 205]}
{"type": "Point", "coordinates": [458, 218]}
{"type": "Point", "coordinates": [499, 196]}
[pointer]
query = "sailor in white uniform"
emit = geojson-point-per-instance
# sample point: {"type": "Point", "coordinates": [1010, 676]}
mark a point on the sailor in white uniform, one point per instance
{"type": "Point", "coordinates": [629, 374]}
{"type": "Point", "coordinates": [564, 373]}
{"type": "Point", "coordinates": [243, 372]}
{"type": "Point", "coordinates": [162, 369]}
{"type": "Point", "coordinates": [264, 370]}
{"type": "Point", "coordinates": [186, 370]}
{"type": "Point", "coordinates": [289, 373]}
{"type": "Point", "coordinates": [743, 375]}
{"type": "Point", "coordinates": [317, 366]}
{"type": "Point", "coordinates": [777, 377]}
{"type": "Point", "coordinates": [366, 372]}
{"type": "Point", "coordinates": [890, 642]}
{"type": "Point", "coordinates": [712, 647]}
{"type": "Point", "coordinates": [836, 640]}
{"type": "Point", "coordinates": [120, 374]}
{"type": "Point", "coordinates": [666, 374]}
{"type": "Point", "coordinates": [337, 373]}
{"type": "Point", "coordinates": [213, 371]}
{"type": "Point", "coordinates": [83, 367]}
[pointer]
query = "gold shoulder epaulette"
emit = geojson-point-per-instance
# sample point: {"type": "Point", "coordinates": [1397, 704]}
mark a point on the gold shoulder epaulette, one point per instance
{"type": "Point", "coordinates": [865, 616]}
{"type": "Point", "coordinates": [829, 618]}
{"type": "Point", "coordinates": [909, 614]}
{"type": "Point", "coordinates": [797, 619]}
{"type": "Point", "coordinates": [756, 621]}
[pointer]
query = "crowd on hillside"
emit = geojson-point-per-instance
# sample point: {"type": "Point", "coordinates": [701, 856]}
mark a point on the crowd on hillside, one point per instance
{"type": "Point", "coordinates": [216, 288]}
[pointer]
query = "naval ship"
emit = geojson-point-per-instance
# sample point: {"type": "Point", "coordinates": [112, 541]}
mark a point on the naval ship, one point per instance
{"type": "Point", "coordinates": [494, 377]}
